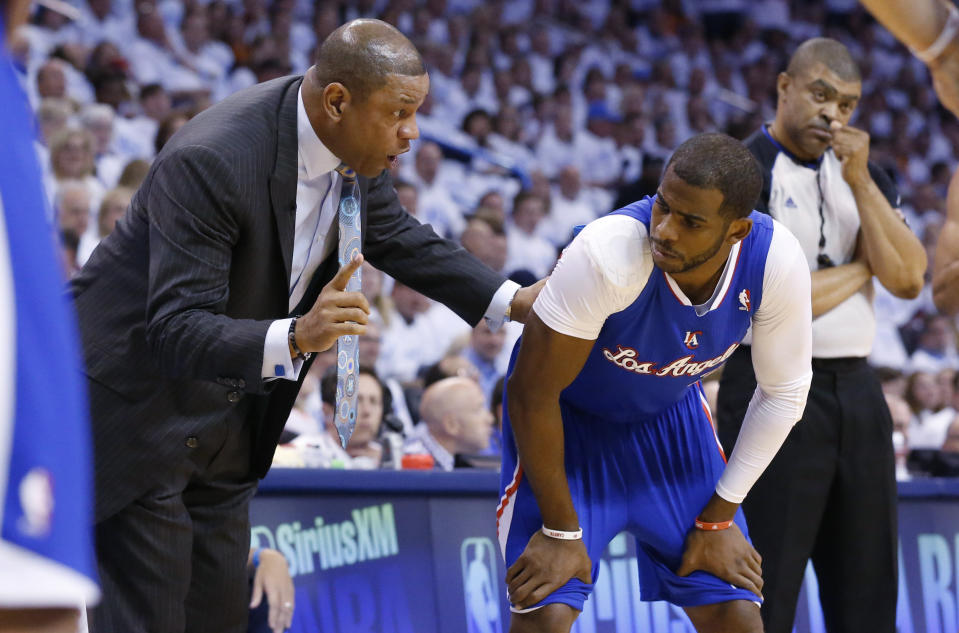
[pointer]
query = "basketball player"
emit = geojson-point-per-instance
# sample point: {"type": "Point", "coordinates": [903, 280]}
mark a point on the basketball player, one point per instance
{"type": "Point", "coordinates": [606, 426]}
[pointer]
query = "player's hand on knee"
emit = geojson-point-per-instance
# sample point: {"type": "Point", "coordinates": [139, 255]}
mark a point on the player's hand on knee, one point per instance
{"type": "Point", "coordinates": [726, 554]}
{"type": "Point", "coordinates": [544, 566]}
{"type": "Point", "coordinates": [336, 313]}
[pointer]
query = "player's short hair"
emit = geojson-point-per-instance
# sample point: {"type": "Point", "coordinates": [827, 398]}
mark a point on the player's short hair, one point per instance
{"type": "Point", "coordinates": [361, 55]}
{"type": "Point", "coordinates": [718, 161]}
{"type": "Point", "coordinates": [830, 53]}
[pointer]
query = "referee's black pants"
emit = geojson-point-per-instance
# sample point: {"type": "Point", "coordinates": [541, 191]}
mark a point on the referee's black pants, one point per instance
{"type": "Point", "coordinates": [829, 495]}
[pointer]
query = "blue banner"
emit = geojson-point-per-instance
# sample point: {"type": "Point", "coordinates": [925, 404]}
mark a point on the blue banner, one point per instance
{"type": "Point", "coordinates": [414, 552]}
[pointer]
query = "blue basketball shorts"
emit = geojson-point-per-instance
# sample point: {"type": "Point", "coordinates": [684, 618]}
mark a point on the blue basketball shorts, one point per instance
{"type": "Point", "coordinates": [650, 478]}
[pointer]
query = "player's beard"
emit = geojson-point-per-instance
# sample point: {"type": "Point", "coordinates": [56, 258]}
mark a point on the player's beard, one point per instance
{"type": "Point", "coordinates": [683, 264]}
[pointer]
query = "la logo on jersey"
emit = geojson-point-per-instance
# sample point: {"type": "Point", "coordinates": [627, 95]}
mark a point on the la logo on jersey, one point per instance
{"type": "Point", "coordinates": [692, 339]}
{"type": "Point", "coordinates": [745, 302]}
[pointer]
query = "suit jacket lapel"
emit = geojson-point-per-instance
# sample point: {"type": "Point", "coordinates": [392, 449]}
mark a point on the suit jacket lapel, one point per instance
{"type": "Point", "coordinates": [283, 178]}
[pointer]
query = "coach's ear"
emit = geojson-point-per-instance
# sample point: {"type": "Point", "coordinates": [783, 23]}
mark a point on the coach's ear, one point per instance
{"type": "Point", "coordinates": [738, 230]}
{"type": "Point", "coordinates": [336, 98]}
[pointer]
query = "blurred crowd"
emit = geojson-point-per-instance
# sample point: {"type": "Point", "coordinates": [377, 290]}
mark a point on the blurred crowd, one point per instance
{"type": "Point", "coordinates": [542, 115]}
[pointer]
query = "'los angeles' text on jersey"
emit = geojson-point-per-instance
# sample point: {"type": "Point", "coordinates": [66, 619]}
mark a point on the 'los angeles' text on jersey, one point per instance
{"type": "Point", "coordinates": [648, 354]}
{"type": "Point", "coordinates": [626, 358]}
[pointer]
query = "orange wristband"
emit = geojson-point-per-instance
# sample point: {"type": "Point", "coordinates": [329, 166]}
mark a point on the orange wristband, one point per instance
{"type": "Point", "coordinates": [711, 527]}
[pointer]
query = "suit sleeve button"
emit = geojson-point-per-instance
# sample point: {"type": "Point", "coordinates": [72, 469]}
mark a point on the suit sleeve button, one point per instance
{"type": "Point", "coordinates": [233, 396]}
{"type": "Point", "coordinates": [192, 442]}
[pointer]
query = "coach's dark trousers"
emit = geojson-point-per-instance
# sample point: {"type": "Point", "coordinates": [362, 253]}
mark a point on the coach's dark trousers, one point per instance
{"type": "Point", "coordinates": [829, 495]}
{"type": "Point", "coordinates": [174, 560]}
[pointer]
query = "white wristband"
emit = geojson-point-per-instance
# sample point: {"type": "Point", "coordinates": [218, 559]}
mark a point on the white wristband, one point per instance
{"type": "Point", "coordinates": [948, 33]}
{"type": "Point", "coordinates": [563, 536]}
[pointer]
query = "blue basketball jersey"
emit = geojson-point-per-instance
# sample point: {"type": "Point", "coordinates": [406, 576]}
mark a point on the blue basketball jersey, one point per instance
{"type": "Point", "coordinates": [649, 353]}
{"type": "Point", "coordinates": [46, 482]}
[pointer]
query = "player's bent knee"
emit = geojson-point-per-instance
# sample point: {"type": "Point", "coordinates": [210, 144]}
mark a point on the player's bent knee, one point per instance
{"type": "Point", "coordinates": [553, 618]}
{"type": "Point", "coordinates": [735, 616]}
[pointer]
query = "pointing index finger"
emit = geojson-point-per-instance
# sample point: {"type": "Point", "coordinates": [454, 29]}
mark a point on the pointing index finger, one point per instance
{"type": "Point", "coordinates": [346, 271]}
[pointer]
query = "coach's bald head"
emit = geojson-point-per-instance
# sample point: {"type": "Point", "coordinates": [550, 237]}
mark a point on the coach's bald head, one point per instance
{"type": "Point", "coordinates": [361, 55]}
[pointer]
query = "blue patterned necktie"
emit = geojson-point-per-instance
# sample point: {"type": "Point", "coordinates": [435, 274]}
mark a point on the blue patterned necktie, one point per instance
{"type": "Point", "coordinates": [347, 350]}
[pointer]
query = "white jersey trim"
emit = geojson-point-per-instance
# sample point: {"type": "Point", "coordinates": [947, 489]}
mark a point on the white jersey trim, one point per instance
{"type": "Point", "coordinates": [8, 356]}
{"type": "Point", "coordinates": [504, 512]}
{"type": "Point", "coordinates": [716, 300]}
{"type": "Point", "coordinates": [29, 580]}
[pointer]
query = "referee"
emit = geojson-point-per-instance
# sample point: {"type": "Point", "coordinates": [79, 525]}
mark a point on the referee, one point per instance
{"type": "Point", "coordinates": [830, 493]}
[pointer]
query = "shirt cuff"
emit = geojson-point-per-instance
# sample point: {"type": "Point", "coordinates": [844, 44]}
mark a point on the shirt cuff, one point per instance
{"type": "Point", "coordinates": [496, 312]}
{"type": "Point", "coordinates": [276, 353]}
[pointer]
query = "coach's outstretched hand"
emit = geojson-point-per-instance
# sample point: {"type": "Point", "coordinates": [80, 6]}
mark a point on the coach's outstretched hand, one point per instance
{"type": "Point", "coordinates": [725, 554]}
{"type": "Point", "coordinates": [336, 313]}
{"type": "Point", "coordinates": [545, 565]}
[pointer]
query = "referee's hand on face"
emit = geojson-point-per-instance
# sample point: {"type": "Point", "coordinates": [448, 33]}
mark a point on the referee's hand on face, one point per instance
{"type": "Point", "coordinates": [336, 313]}
{"type": "Point", "coordinates": [851, 146]}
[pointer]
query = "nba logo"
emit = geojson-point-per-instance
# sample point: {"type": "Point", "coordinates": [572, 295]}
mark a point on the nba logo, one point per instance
{"type": "Point", "coordinates": [744, 301]}
{"type": "Point", "coordinates": [480, 587]}
{"type": "Point", "coordinates": [692, 339]}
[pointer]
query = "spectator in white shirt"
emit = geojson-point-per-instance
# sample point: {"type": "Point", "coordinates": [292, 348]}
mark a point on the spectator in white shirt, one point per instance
{"type": "Point", "coordinates": [52, 80]}
{"type": "Point", "coordinates": [98, 119]}
{"type": "Point", "coordinates": [471, 94]}
{"type": "Point", "coordinates": [403, 352]}
{"type": "Point", "coordinates": [53, 115]}
{"type": "Point", "coordinates": [72, 206]}
{"type": "Point", "coordinates": [931, 416]}
{"type": "Point", "coordinates": [561, 145]}
{"type": "Point", "coordinates": [408, 196]}
{"type": "Point", "coordinates": [698, 117]}
{"type": "Point", "coordinates": [664, 141]}
{"type": "Point", "coordinates": [485, 238]}
{"type": "Point", "coordinates": [112, 208]}
{"type": "Point", "coordinates": [135, 137]}
{"type": "Point", "coordinates": [152, 57]}
{"type": "Point", "coordinates": [506, 138]}
{"type": "Point", "coordinates": [282, 32]}
{"type": "Point", "coordinates": [629, 136]}
{"type": "Point", "coordinates": [72, 157]}
{"type": "Point", "coordinates": [45, 31]}
{"type": "Point", "coordinates": [569, 206]}
{"type": "Point", "coordinates": [364, 448]}
{"type": "Point", "coordinates": [483, 351]}
{"type": "Point", "coordinates": [525, 249]}
{"type": "Point", "coordinates": [168, 127]}
{"type": "Point", "coordinates": [541, 60]}
{"type": "Point", "coordinates": [435, 204]}
{"type": "Point", "coordinates": [937, 346]}
{"type": "Point", "coordinates": [98, 22]}
{"type": "Point", "coordinates": [194, 48]}
{"type": "Point", "coordinates": [418, 334]}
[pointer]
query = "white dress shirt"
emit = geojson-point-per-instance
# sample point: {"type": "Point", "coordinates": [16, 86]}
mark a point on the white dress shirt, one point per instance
{"type": "Point", "coordinates": [315, 235]}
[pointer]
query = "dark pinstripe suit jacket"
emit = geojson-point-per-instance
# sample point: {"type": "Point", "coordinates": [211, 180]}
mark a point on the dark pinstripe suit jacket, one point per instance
{"type": "Point", "coordinates": [175, 304]}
